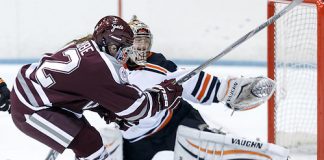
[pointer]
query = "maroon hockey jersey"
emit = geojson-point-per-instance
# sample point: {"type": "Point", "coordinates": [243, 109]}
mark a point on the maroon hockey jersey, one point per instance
{"type": "Point", "coordinates": [79, 74]}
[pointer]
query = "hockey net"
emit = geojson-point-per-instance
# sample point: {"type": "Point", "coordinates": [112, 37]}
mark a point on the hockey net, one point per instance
{"type": "Point", "coordinates": [294, 61]}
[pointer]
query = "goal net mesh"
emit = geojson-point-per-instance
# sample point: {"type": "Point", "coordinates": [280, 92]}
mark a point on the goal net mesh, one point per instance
{"type": "Point", "coordinates": [296, 77]}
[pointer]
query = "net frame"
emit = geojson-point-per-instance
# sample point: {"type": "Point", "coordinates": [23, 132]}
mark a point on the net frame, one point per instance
{"type": "Point", "coordinates": [320, 73]}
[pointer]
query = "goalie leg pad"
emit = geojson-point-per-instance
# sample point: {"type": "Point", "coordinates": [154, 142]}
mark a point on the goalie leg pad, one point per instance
{"type": "Point", "coordinates": [245, 93]}
{"type": "Point", "coordinates": [113, 141]}
{"type": "Point", "coordinates": [192, 144]}
{"type": "Point", "coordinates": [101, 154]}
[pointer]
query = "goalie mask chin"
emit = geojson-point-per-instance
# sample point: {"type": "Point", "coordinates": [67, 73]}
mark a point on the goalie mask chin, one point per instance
{"type": "Point", "coordinates": [137, 56]}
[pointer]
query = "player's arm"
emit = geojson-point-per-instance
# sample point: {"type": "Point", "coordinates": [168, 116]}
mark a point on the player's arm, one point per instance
{"type": "Point", "coordinates": [237, 93]}
{"type": "Point", "coordinates": [202, 88]}
{"type": "Point", "coordinates": [4, 96]}
{"type": "Point", "coordinates": [131, 103]}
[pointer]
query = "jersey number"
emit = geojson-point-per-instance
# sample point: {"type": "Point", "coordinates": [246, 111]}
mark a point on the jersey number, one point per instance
{"type": "Point", "coordinates": [58, 66]}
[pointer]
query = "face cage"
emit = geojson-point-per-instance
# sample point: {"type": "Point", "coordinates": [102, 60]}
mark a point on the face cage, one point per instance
{"type": "Point", "coordinates": [138, 57]}
{"type": "Point", "coordinates": [148, 35]}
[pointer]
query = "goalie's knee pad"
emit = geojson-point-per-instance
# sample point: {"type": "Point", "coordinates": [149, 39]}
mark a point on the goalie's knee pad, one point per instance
{"type": "Point", "coordinates": [101, 154]}
{"type": "Point", "coordinates": [245, 93]}
{"type": "Point", "coordinates": [113, 141]}
{"type": "Point", "coordinates": [192, 144]}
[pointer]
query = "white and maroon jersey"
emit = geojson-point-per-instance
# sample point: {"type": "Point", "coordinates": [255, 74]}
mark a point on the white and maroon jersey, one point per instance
{"type": "Point", "coordinates": [77, 76]}
{"type": "Point", "coordinates": [201, 88]}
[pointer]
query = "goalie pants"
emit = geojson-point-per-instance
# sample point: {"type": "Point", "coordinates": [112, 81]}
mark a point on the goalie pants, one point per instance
{"type": "Point", "coordinates": [163, 140]}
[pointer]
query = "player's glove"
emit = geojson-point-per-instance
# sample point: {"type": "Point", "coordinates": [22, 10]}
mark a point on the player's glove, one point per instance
{"type": "Point", "coordinates": [105, 114]}
{"type": "Point", "coordinates": [169, 94]}
{"type": "Point", "coordinates": [4, 97]}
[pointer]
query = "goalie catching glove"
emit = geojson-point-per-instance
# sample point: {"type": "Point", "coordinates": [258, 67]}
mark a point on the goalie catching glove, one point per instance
{"type": "Point", "coordinates": [242, 94]}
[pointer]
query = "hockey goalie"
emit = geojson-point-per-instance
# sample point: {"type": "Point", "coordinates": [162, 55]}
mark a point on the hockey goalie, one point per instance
{"type": "Point", "coordinates": [194, 139]}
{"type": "Point", "coordinates": [181, 128]}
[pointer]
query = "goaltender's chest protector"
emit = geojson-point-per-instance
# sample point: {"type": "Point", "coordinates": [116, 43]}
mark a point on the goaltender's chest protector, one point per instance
{"type": "Point", "coordinates": [145, 79]}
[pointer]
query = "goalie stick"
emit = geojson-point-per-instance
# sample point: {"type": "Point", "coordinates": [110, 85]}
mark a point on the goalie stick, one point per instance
{"type": "Point", "coordinates": [239, 41]}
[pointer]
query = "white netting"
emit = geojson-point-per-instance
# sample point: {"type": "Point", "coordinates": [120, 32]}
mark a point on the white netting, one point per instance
{"type": "Point", "coordinates": [296, 76]}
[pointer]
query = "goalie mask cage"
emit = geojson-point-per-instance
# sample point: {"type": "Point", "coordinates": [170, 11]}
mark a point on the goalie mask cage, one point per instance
{"type": "Point", "coordinates": [295, 62]}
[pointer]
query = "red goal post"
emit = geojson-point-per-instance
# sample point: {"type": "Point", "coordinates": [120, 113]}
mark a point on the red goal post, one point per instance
{"type": "Point", "coordinates": [282, 41]}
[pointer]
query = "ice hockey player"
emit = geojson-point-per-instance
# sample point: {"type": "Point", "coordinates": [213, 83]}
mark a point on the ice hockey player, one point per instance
{"type": "Point", "coordinates": [48, 97]}
{"type": "Point", "coordinates": [150, 135]}
{"type": "Point", "coordinates": [4, 96]}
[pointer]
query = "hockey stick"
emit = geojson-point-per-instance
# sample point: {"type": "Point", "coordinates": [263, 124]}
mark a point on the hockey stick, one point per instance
{"type": "Point", "coordinates": [239, 41]}
{"type": "Point", "coordinates": [52, 155]}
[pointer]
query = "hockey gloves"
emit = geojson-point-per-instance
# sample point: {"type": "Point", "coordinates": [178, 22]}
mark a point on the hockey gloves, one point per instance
{"type": "Point", "coordinates": [4, 97]}
{"type": "Point", "coordinates": [242, 94]}
{"type": "Point", "coordinates": [169, 94]}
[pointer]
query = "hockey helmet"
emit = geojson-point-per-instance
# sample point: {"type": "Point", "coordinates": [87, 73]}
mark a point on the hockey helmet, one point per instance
{"type": "Point", "coordinates": [142, 41]}
{"type": "Point", "coordinates": [112, 34]}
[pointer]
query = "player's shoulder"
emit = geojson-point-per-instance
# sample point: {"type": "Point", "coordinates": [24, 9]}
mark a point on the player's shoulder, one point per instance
{"type": "Point", "coordinates": [157, 62]}
{"type": "Point", "coordinates": [84, 55]}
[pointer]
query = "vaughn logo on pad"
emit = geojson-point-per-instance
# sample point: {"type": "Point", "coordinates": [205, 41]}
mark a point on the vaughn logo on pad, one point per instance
{"type": "Point", "coordinates": [247, 143]}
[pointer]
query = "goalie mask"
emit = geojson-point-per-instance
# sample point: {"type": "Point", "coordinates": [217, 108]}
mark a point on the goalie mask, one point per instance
{"type": "Point", "coordinates": [113, 35]}
{"type": "Point", "coordinates": [142, 42]}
